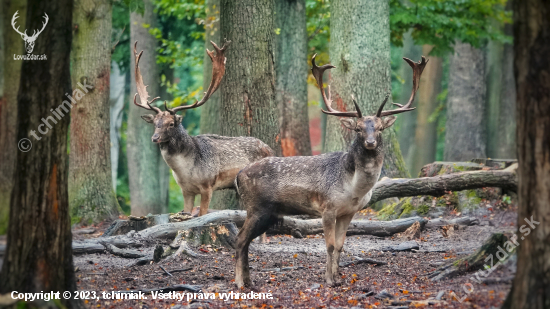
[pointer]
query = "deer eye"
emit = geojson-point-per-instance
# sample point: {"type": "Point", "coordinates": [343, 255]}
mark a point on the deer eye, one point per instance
{"type": "Point", "coordinates": [171, 124]}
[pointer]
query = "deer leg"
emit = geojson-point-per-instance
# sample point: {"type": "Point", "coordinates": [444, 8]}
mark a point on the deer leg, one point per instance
{"type": "Point", "coordinates": [206, 196]}
{"type": "Point", "coordinates": [188, 201]}
{"type": "Point", "coordinates": [254, 225]}
{"type": "Point", "coordinates": [329, 222]}
{"type": "Point", "coordinates": [342, 224]}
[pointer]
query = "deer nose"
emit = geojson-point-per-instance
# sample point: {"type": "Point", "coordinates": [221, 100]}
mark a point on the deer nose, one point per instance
{"type": "Point", "coordinates": [155, 138]}
{"type": "Point", "coordinates": [370, 143]}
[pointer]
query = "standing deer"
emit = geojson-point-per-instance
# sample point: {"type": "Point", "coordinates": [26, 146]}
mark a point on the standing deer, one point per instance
{"type": "Point", "coordinates": [333, 186]}
{"type": "Point", "coordinates": [204, 163]}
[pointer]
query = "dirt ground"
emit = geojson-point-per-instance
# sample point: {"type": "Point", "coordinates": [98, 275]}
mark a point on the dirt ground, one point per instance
{"type": "Point", "coordinates": [292, 270]}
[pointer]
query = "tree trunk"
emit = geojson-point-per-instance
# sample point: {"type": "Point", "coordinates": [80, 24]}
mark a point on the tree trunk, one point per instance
{"type": "Point", "coordinates": [465, 137]}
{"type": "Point", "coordinates": [116, 98]}
{"type": "Point", "coordinates": [291, 70]}
{"type": "Point", "coordinates": [91, 195]}
{"type": "Point", "coordinates": [501, 99]}
{"type": "Point", "coordinates": [210, 113]}
{"type": "Point", "coordinates": [39, 254]}
{"type": "Point", "coordinates": [8, 103]}
{"type": "Point", "coordinates": [143, 155]}
{"type": "Point", "coordinates": [248, 106]}
{"type": "Point", "coordinates": [360, 50]}
{"type": "Point", "coordinates": [407, 121]}
{"type": "Point", "coordinates": [425, 138]}
{"type": "Point", "coordinates": [531, 288]}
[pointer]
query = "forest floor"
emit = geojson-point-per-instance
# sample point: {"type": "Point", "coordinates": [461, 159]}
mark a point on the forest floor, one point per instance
{"type": "Point", "coordinates": [292, 270]}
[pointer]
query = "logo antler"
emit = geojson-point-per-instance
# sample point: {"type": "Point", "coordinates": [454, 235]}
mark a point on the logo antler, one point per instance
{"type": "Point", "coordinates": [29, 40]}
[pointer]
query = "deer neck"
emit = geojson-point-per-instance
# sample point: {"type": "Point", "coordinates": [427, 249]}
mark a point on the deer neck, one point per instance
{"type": "Point", "coordinates": [179, 142]}
{"type": "Point", "coordinates": [362, 167]}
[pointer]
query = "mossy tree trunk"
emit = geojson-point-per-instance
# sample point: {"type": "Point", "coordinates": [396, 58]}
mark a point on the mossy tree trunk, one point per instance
{"type": "Point", "coordinates": [13, 44]}
{"type": "Point", "coordinates": [248, 106]}
{"type": "Point", "coordinates": [116, 98]}
{"type": "Point", "coordinates": [91, 195]}
{"type": "Point", "coordinates": [291, 70]}
{"type": "Point", "coordinates": [39, 253]}
{"type": "Point", "coordinates": [144, 156]}
{"type": "Point", "coordinates": [360, 50]}
{"type": "Point", "coordinates": [531, 288]}
{"type": "Point", "coordinates": [425, 137]}
{"type": "Point", "coordinates": [465, 131]}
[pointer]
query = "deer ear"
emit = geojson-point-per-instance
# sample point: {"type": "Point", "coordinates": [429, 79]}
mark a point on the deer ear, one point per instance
{"type": "Point", "coordinates": [388, 122]}
{"type": "Point", "coordinates": [178, 118]}
{"type": "Point", "coordinates": [349, 123]}
{"type": "Point", "coordinates": [148, 118]}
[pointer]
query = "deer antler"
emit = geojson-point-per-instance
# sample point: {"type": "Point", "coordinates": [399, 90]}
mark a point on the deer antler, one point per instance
{"type": "Point", "coordinates": [218, 70]}
{"type": "Point", "coordinates": [44, 23]}
{"type": "Point", "coordinates": [318, 74]}
{"type": "Point", "coordinates": [417, 72]}
{"type": "Point", "coordinates": [15, 16]}
{"type": "Point", "coordinates": [141, 88]}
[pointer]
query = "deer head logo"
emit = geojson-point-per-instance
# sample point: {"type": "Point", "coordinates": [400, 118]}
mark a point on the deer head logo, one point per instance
{"type": "Point", "coordinates": [29, 40]}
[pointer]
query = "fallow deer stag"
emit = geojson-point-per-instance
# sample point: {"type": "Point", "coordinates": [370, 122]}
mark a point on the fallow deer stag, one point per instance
{"type": "Point", "coordinates": [204, 163]}
{"type": "Point", "coordinates": [333, 186]}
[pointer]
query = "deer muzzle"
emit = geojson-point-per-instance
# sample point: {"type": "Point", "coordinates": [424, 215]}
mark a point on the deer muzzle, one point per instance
{"type": "Point", "coordinates": [155, 138]}
{"type": "Point", "coordinates": [370, 143]}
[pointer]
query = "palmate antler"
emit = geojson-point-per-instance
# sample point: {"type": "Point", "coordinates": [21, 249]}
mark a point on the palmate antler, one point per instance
{"type": "Point", "coordinates": [318, 74]}
{"type": "Point", "coordinates": [218, 70]}
{"type": "Point", "coordinates": [141, 88]}
{"type": "Point", "coordinates": [418, 68]}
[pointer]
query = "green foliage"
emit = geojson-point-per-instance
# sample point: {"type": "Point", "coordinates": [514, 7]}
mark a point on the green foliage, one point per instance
{"type": "Point", "coordinates": [442, 22]}
{"type": "Point", "coordinates": [120, 36]}
{"type": "Point", "coordinates": [318, 29]}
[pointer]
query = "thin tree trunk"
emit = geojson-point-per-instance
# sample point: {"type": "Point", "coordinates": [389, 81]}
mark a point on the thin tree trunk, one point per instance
{"type": "Point", "coordinates": [291, 70]}
{"type": "Point", "coordinates": [164, 169]}
{"type": "Point", "coordinates": [248, 90]}
{"type": "Point", "coordinates": [407, 121]}
{"type": "Point", "coordinates": [39, 254]}
{"type": "Point", "coordinates": [531, 285]}
{"type": "Point", "coordinates": [116, 98]}
{"type": "Point", "coordinates": [91, 195]}
{"type": "Point", "coordinates": [465, 136]}
{"type": "Point", "coordinates": [360, 50]}
{"type": "Point", "coordinates": [143, 155]}
{"type": "Point", "coordinates": [425, 137]}
{"type": "Point", "coordinates": [210, 113]}
{"type": "Point", "coordinates": [501, 99]}
{"type": "Point", "coordinates": [8, 104]}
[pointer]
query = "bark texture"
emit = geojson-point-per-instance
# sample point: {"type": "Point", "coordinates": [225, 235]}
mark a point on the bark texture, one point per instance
{"type": "Point", "coordinates": [116, 98]}
{"type": "Point", "coordinates": [531, 286]}
{"type": "Point", "coordinates": [407, 121]}
{"type": "Point", "coordinates": [248, 106]}
{"type": "Point", "coordinates": [501, 99]}
{"type": "Point", "coordinates": [39, 255]}
{"type": "Point", "coordinates": [8, 103]}
{"type": "Point", "coordinates": [143, 155]}
{"type": "Point", "coordinates": [465, 137]}
{"type": "Point", "coordinates": [91, 195]}
{"type": "Point", "coordinates": [425, 136]}
{"type": "Point", "coordinates": [291, 70]}
{"type": "Point", "coordinates": [360, 50]}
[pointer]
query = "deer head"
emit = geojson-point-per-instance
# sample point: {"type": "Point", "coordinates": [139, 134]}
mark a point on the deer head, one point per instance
{"type": "Point", "coordinates": [368, 128]}
{"type": "Point", "coordinates": [29, 40]}
{"type": "Point", "coordinates": [167, 122]}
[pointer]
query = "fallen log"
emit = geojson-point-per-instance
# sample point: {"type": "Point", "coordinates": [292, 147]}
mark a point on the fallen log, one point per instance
{"type": "Point", "coordinates": [289, 226]}
{"type": "Point", "coordinates": [95, 245]}
{"type": "Point", "coordinates": [125, 253]}
{"type": "Point", "coordinates": [439, 185]}
{"type": "Point", "coordinates": [439, 222]}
